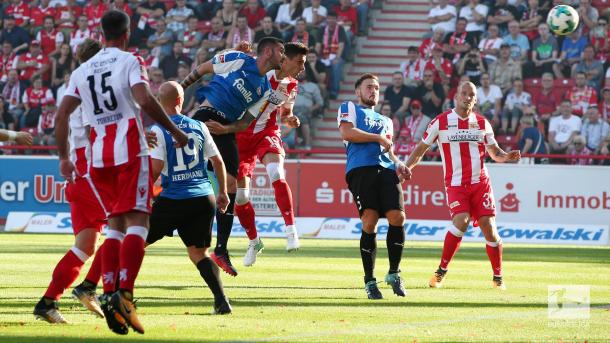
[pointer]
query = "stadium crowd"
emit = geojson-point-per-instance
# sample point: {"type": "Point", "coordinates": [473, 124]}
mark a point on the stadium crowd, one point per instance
{"type": "Point", "coordinates": [542, 93]}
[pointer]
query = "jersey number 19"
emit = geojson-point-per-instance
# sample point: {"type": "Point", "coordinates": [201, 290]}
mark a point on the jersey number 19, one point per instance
{"type": "Point", "coordinates": [180, 166]}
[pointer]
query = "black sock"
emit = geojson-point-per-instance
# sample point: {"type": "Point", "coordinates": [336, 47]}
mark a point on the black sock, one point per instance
{"type": "Point", "coordinates": [224, 224]}
{"type": "Point", "coordinates": [395, 241]}
{"type": "Point", "coordinates": [88, 284]}
{"type": "Point", "coordinates": [48, 301]}
{"type": "Point", "coordinates": [209, 272]}
{"type": "Point", "coordinates": [368, 252]}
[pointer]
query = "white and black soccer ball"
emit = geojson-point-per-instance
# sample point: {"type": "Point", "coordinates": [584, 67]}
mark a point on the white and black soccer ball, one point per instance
{"type": "Point", "coordinates": [563, 20]}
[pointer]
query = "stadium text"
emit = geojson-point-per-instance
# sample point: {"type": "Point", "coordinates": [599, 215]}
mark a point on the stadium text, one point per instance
{"type": "Point", "coordinates": [574, 201]}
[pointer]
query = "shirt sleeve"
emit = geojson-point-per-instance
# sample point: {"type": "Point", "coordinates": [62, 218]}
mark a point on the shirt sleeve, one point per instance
{"type": "Point", "coordinates": [159, 152]}
{"type": "Point", "coordinates": [431, 134]}
{"type": "Point", "coordinates": [209, 147]}
{"type": "Point", "coordinates": [489, 134]}
{"type": "Point", "coordinates": [229, 61]}
{"type": "Point", "coordinates": [137, 71]}
{"type": "Point", "coordinates": [347, 113]}
{"type": "Point", "coordinates": [71, 88]}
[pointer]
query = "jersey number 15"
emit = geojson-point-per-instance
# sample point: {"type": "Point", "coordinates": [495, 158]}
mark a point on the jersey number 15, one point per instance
{"type": "Point", "coordinates": [105, 89]}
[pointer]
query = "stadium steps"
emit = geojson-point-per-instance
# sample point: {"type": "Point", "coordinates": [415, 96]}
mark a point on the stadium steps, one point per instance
{"type": "Point", "coordinates": [393, 28]}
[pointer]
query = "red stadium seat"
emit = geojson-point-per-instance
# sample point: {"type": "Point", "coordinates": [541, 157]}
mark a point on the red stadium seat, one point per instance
{"type": "Point", "coordinates": [204, 26]}
{"type": "Point", "coordinates": [507, 142]}
{"type": "Point", "coordinates": [530, 85]}
{"type": "Point", "coordinates": [600, 4]}
{"type": "Point", "coordinates": [562, 86]}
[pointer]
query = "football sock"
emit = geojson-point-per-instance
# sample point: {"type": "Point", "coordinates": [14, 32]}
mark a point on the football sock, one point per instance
{"type": "Point", "coordinates": [65, 273]}
{"type": "Point", "coordinates": [453, 239]}
{"type": "Point", "coordinates": [494, 252]}
{"type": "Point", "coordinates": [95, 271]}
{"type": "Point", "coordinates": [110, 260]}
{"type": "Point", "coordinates": [395, 241]}
{"type": "Point", "coordinates": [224, 224]}
{"type": "Point", "coordinates": [246, 216]}
{"type": "Point", "coordinates": [209, 272]}
{"type": "Point", "coordinates": [368, 252]}
{"type": "Point", "coordinates": [131, 257]}
{"type": "Point", "coordinates": [283, 198]}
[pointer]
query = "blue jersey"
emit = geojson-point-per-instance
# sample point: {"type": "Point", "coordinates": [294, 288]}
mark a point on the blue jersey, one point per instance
{"type": "Point", "coordinates": [367, 120]}
{"type": "Point", "coordinates": [184, 173]}
{"type": "Point", "coordinates": [237, 85]}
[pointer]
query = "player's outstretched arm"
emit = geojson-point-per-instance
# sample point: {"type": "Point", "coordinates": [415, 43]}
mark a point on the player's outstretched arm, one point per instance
{"type": "Point", "coordinates": [66, 107]}
{"type": "Point", "coordinates": [417, 155]}
{"type": "Point", "coordinates": [21, 138]}
{"type": "Point", "coordinates": [222, 199]}
{"type": "Point", "coordinates": [497, 154]}
{"type": "Point", "coordinates": [354, 135]}
{"type": "Point", "coordinates": [197, 73]}
{"type": "Point", "coordinates": [217, 128]}
{"type": "Point", "coordinates": [151, 106]}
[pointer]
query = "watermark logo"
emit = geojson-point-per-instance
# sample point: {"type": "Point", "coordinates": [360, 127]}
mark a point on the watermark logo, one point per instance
{"type": "Point", "coordinates": [568, 305]}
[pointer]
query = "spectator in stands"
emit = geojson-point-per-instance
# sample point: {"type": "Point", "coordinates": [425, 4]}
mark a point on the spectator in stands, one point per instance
{"type": "Point", "coordinates": [49, 38]}
{"type": "Point", "coordinates": [39, 13]}
{"type": "Point", "coordinates": [94, 11]}
{"type": "Point", "coordinates": [519, 44]}
{"type": "Point", "coordinates": [594, 129]}
{"type": "Point", "coordinates": [207, 9]}
{"type": "Point", "coordinates": [571, 51]}
{"type": "Point", "coordinates": [604, 105]}
{"type": "Point", "coordinates": [443, 16]}
{"type": "Point", "coordinates": [287, 15]}
{"type": "Point", "coordinates": [545, 100]}
{"type": "Point", "coordinates": [412, 128]}
{"type": "Point", "coordinates": [532, 140]}
{"type": "Point", "coordinates": [431, 94]}
{"type": "Point", "coordinates": [16, 35]}
{"type": "Point", "coordinates": [457, 43]}
{"type": "Point", "coordinates": [490, 45]}
{"type": "Point", "coordinates": [347, 17]}
{"type": "Point", "coordinates": [267, 30]}
{"type": "Point", "coordinates": [189, 93]}
{"type": "Point", "coordinates": [516, 104]}
{"type": "Point", "coordinates": [160, 42]}
{"type": "Point", "coordinates": [581, 95]}
{"type": "Point", "coordinates": [192, 37]}
{"type": "Point", "coordinates": [149, 60]}
{"type": "Point", "coordinates": [331, 48]}
{"type": "Point", "coordinates": [363, 16]}
{"type": "Point", "coordinates": [34, 98]}
{"type": "Point", "coordinates": [6, 119]}
{"type": "Point", "coordinates": [475, 14]}
{"type": "Point", "coordinates": [241, 32]}
{"type": "Point", "coordinates": [46, 124]}
{"type": "Point", "coordinates": [412, 69]}
{"type": "Point", "coordinates": [33, 64]}
{"type": "Point", "coordinates": [605, 151]}
{"type": "Point", "coordinates": [473, 65]}
{"type": "Point", "coordinates": [61, 90]}
{"type": "Point", "coordinates": [307, 104]}
{"type": "Point", "coordinates": [81, 33]}
{"type": "Point", "coordinates": [502, 14]}
{"type": "Point", "coordinates": [255, 14]}
{"type": "Point", "coordinates": [202, 56]}
{"type": "Point", "coordinates": [61, 65]}
{"type": "Point", "coordinates": [600, 39]}
{"type": "Point", "coordinates": [442, 67]}
{"type": "Point", "coordinates": [489, 98]}
{"type": "Point", "coordinates": [177, 17]}
{"type": "Point", "coordinates": [7, 60]}
{"type": "Point", "coordinates": [20, 11]}
{"type": "Point", "coordinates": [66, 16]}
{"type": "Point", "coordinates": [12, 92]}
{"type": "Point", "coordinates": [301, 34]}
{"type": "Point", "coordinates": [563, 128]}
{"type": "Point", "coordinates": [315, 15]}
{"type": "Point", "coordinates": [544, 53]}
{"type": "Point", "coordinates": [592, 68]}
{"type": "Point", "coordinates": [588, 15]}
{"type": "Point", "coordinates": [315, 71]}
{"type": "Point", "coordinates": [425, 49]}
{"type": "Point", "coordinates": [579, 148]}
{"type": "Point", "coordinates": [398, 95]}
{"type": "Point", "coordinates": [169, 64]}
{"type": "Point", "coordinates": [216, 39]}
{"type": "Point", "coordinates": [156, 79]}
{"type": "Point", "coordinates": [228, 14]}
{"type": "Point", "coordinates": [531, 19]}
{"type": "Point", "coordinates": [146, 17]}
{"type": "Point", "coordinates": [122, 5]}
{"type": "Point", "coordinates": [505, 70]}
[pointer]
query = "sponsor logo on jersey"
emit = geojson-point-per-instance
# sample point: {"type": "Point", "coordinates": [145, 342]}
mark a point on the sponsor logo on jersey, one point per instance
{"type": "Point", "coordinates": [465, 136]}
{"type": "Point", "coordinates": [259, 91]}
{"type": "Point", "coordinates": [239, 84]}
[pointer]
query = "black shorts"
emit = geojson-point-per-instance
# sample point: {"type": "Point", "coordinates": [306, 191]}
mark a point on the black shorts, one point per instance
{"type": "Point", "coordinates": [227, 145]}
{"type": "Point", "coordinates": [375, 188]}
{"type": "Point", "coordinates": [192, 218]}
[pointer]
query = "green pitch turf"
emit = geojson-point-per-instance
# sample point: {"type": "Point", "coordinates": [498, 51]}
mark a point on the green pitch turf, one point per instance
{"type": "Point", "coordinates": [317, 295]}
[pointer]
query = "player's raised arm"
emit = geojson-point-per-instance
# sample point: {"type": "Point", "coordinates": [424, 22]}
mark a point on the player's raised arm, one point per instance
{"type": "Point", "coordinates": [217, 128]}
{"type": "Point", "coordinates": [197, 73]}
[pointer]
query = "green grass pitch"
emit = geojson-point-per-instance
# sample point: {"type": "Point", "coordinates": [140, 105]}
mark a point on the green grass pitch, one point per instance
{"type": "Point", "coordinates": [317, 295]}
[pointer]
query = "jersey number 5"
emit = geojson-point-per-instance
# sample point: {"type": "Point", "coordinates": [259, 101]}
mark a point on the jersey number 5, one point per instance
{"type": "Point", "coordinates": [105, 89]}
{"type": "Point", "coordinates": [180, 166]}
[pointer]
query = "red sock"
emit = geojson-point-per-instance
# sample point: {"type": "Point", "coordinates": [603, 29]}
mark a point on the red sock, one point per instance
{"type": "Point", "coordinates": [110, 263]}
{"type": "Point", "coordinates": [283, 198]}
{"type": "Point", "coordinates": [246, 215]}
{"type": "Point", "coordinates": [65, 273]}
{"type": "Point", "coordinates": [450, 247]}
{"type": "Point", "coordinates": [132, 255]}
{"type": "Point", "coordinates": [495, 256]}
{"type": "Point", "coordinates": [95, 271]}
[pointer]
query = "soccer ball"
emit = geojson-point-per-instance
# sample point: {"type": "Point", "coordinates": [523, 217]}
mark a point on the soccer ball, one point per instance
{"type": "Point", "coordinates": [562, 19]}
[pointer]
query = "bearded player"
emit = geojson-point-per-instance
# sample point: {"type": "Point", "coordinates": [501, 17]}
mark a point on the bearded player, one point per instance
{"type": "Point", "coordinates": [463, 137]}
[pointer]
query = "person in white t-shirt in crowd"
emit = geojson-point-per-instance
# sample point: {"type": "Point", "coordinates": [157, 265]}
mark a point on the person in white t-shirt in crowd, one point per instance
{"type": "Point", "coordinates": [490, 45]}
{"type": "Point", "coordinates": [315, 15]}
{"type": "Point", "coordinates": [563, 128]}
{"type": "Point", "coordinates": [490, 100]}
{"type": "Point", "coordinates": [515, 105]}
{"type": "Point", "coordinates": [412, 69]}
{"type": "Point", "coordinates": [443, 16]}
{"type": "Point", "coordinates": [594, 129]}
{"type": "Point", "coordinates": [476, 14]}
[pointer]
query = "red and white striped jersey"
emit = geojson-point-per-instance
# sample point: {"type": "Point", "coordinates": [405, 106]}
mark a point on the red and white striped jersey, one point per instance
{"type": "Point", "coordinates": [103, 84]}
{"type": "Point", "coordinates": [462, 143]}
{"type": "Point", "coordinates": [80, 149]}
{"type": "Point", "coordinates": [283, 94]}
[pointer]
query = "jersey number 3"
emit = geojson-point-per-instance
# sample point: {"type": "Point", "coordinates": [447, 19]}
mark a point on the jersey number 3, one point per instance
{"type": "Point", "coordinates": [105, 89]}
